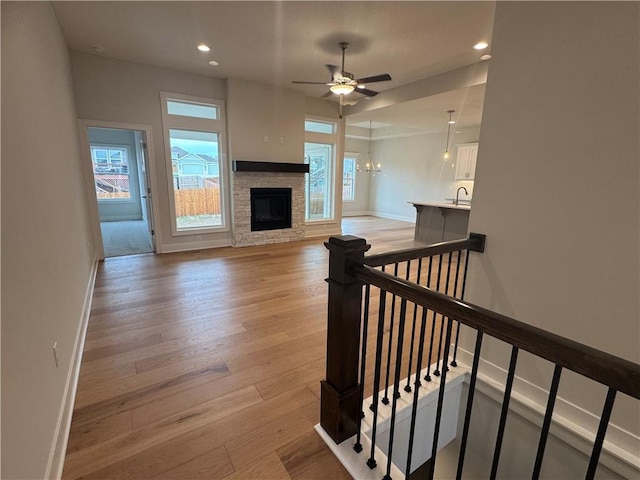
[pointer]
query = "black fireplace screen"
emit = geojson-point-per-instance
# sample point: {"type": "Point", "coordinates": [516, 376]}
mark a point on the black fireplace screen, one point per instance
{"type": "Point", "coordinates": [270, 208]}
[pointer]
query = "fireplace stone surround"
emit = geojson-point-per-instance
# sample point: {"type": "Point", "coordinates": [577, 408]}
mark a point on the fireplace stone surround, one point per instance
{"type": "Point", "coordinates": [247, 175]}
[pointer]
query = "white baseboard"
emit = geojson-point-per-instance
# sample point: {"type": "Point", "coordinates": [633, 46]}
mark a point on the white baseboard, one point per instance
{"type": "Point", "coordinates": [393, 217]}
{"type": "Point", "coordinates": [189, 246]}
{"type": "Point", "coordinates": [575, 426]}
{"type": "Point", "coordinates": [120, 218]}
{"type": "Point", "coordinates": [55, 463]}
{"type": "Point", "coordinates": [362, 213]}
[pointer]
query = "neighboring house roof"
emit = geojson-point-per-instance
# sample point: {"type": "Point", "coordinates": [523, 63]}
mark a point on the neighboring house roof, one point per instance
{"type": "Point", "coordinates": [180, 151]}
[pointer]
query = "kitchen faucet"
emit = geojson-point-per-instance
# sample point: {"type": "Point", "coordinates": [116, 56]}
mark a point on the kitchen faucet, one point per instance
{"type": "Point", "coordinates": [458, 193]}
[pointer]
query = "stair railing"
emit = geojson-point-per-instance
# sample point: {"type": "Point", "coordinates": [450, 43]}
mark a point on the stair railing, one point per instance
{"type": "Point", "coordinates": [431, 299]}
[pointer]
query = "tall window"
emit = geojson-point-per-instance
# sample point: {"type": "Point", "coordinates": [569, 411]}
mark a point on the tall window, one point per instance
{"type": "Point", "coordinates": [319, 153]}
{"type": "Point", "coordinates": [349, 178]}
{"type": "Point", "coordinates": [195, 133]}
{"type": "Point", "coordinates": [111, 172]}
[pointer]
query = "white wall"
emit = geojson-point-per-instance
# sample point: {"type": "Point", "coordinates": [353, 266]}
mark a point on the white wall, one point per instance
{"type": "Point", "coordinates": [47, 248]}
{"type": "Point", "coordinates": [414, 170]}
{"type": "Point", "coordinates": [116, 91]}
{"type": "Point", "coordinates": [557, 188]}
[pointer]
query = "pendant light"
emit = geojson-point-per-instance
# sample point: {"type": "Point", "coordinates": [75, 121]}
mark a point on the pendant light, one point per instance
{"type": "Point", "coordinates": [370, 167]}
{"type": "Point", "coordinates": [447, 154]}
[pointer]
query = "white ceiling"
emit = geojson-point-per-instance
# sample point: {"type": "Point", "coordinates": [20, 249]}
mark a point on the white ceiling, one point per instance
{"type": "Point", "coordinates": [277, 42]}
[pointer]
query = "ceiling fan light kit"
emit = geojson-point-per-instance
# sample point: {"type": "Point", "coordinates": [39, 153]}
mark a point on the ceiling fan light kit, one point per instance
{"type": "Point", "coordinates": [341, 88]}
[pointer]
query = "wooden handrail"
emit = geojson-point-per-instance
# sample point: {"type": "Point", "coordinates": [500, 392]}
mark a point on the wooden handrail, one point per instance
{"type": "Point", "coordinates": [475, 242]}
{"type": "Point", "coordinates": [615, 372]}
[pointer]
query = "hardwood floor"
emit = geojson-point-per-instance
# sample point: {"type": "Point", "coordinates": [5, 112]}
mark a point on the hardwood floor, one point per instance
{"type": "Point", "coordinates": [207, 364]}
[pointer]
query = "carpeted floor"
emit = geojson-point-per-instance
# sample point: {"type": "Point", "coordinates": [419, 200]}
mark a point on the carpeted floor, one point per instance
{"type": "Point", "coordinates": [125, 238]}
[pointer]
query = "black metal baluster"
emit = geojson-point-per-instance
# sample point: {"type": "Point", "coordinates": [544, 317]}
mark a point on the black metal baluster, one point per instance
{"type": "Point", "coordinates": [371, 462]}
{"type": "Point", "coordinates": [407, 387]}
{"type": "Point", "coordinates": [436, 372]}
{"type": "Point", "coordinates": [385, 399]}
{"type": "Point", "coordinates": [455, 295]}
{"type": "Point", "coordinates": [363, 360]}
{"type": "Point", "coordinates": [418, 384]}
{"type": "Point", "coordinates": [427, 377]}
{"type": "Point", "coordinates": [505, 411]}
{"type": "Point", "coordinates": [464, 284]}
{"type": "Point", "coordinates": [602, 430]}
{"type": "Point", "coordinates": [443, 385]}
{"type": "Point", "coordinates": [470, 395]}
{"type": "Point", "coordinates": [396, 385]}
{"type": "Point", "coordinates": [546, 424]}
{"type": "Point", "coordinates": [446, 292]}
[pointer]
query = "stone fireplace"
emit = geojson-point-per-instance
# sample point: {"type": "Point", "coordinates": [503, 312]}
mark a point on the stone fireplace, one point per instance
{"type": "Point", "coordinates": [261, 177]}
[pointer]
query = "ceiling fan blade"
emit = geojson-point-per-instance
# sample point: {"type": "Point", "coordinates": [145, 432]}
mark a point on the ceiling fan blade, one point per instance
{"type": "Point", "coordinates": [366, 91]}
{"type": "Point", "coordinates": [309, 83]}
{"type": "Point", "coordinates": [328, 94]}
{"type": "Point", "coordinates": [384, 77]}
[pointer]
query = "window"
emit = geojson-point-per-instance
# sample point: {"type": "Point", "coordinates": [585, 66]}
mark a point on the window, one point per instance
{"type": "Point", "coordinates": [111, 172]}
{"type": "Point", "coordinates": [319, 127]}
{"type": "Point", "coordinates": [349, 178]}
{"type": "Point", "coordinates": [318, 189]}
{"type": "Point", "coordinates": [195, 147]}
{"type": "Point", "coordinates": [192, 109]}
{"type": "Point", "coordinates": [319, 153]}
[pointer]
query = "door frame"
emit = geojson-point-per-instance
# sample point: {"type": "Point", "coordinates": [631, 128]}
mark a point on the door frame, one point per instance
{"type": "Point", "coordinates": [92, 200]}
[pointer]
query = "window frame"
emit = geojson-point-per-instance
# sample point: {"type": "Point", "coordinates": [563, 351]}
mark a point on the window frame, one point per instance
{"type": "Point", "coordinates": [205, 125]}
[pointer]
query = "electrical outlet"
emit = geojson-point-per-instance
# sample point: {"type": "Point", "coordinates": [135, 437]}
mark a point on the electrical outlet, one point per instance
{"type": "Point", "coordinates": [56, 356]}
{"type": "Point", "coordinates": [266, 138]}
{"type": "Point", "coordinates": [281, 140]}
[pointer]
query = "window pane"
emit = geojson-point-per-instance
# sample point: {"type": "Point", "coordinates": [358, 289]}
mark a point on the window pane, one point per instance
{"type": "Point", "coordinates": [191, 109]}
{"type": "Point", "coordinates": [319, 127]}
{"type": "Point", "coordinates": [348, 179]}
{"type": "Point", "coordinates": [111, 173]}
{"type": "Point", "coordinates": [319, 157]}
{"type": "Point", "coordinates": [196, 179]}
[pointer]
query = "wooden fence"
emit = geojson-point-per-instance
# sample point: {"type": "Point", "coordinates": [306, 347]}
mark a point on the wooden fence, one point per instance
{"type": "Point", "coordinates": [198, 201]}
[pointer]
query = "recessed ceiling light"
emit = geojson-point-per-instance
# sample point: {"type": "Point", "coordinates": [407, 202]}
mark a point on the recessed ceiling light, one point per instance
{"type": "Point", "coordinates": [203, 48]}
{"type": "Point", "coordinates": [485, 57]}
{"type": "Point", "coordinates": [451, 122]}
{"type": "Point", "coordinates": [98, 48]}
{"type": "Point", "coordinates": [481, 45]}
{"type": "Point", "coordinates": [213, 63]}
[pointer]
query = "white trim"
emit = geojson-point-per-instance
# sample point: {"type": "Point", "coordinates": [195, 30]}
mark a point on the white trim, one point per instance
{"type": "Point", "coordinates": [392, 216]}
{"type": "Point", "coordinates": [190, 246]}
{"type": "Point", "coordinates": [58, 451]}
{"type": "Point", "coordinates": [572, 431]}
{"type": "Point", "coordinates": [355, 463]}
{"type": "Point", "coordinates": [83, 126]}
{"type": "Point", "coordinates": [121, 218]}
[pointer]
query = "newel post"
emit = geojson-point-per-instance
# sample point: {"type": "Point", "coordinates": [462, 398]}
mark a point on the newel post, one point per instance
{"type": "Point", "coordinates": [339, 391]}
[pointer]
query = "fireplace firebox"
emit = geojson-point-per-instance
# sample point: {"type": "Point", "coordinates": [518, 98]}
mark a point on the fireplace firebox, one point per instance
{"type": "Point", "coordinates": [270, 208]}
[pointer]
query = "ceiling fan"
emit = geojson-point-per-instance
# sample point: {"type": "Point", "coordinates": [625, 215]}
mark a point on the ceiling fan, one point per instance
{"type": "Point", "coordinates": [343, 83]}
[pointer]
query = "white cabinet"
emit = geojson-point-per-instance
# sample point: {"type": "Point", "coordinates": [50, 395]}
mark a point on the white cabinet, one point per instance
{"type": "Point", "coordinates": [466, 162]}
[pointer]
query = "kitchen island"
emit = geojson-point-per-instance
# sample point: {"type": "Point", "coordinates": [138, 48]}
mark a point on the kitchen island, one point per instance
{"type": "Point", "coordinates": [441, 221]}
